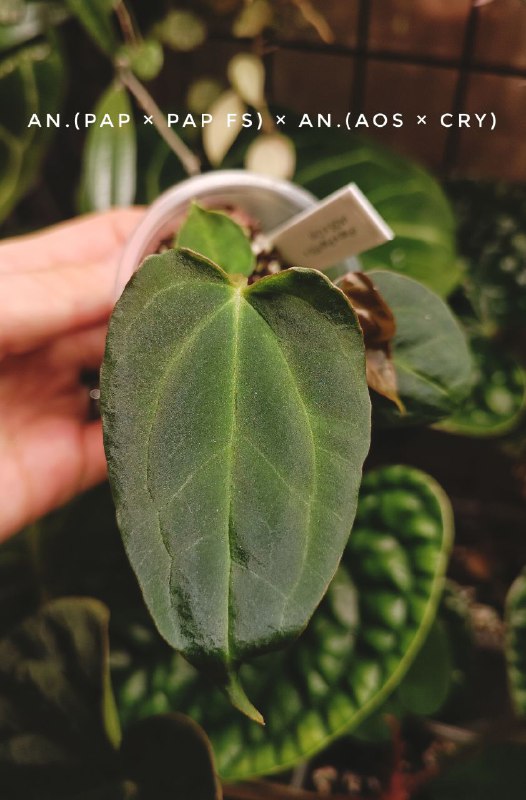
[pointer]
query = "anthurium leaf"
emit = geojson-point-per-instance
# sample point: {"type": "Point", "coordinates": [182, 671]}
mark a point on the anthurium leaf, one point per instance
{"type": "Point", "coordinates": [356, 650]}
{"type": "Point", "coordinates": [58, 724]}
{"type": "Point", "coordinates": [110, 154]}
{"type": "Point", "coordinates": [406, 196]}
{"type": "Point", "coordinates": [96, 19]}
{"type": "Point", "coordinates": [31, 82]}
{"type": "Point", "coordinates": [216, 236]}
{"type": "Point", "coordinates": [498, 395]}
{"type": "Point", "coordinates": [516, 643]}
{"type": "Point", "coordinates": [169, 756]}
{"type": "Point", "coordinates": [236, 422]}
{"type": "Point", "coordinates": [432, 359]}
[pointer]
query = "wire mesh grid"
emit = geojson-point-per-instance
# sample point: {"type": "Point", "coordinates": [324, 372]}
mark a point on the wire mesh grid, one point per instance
{"type": "Point", "coordinates": [425, 57]}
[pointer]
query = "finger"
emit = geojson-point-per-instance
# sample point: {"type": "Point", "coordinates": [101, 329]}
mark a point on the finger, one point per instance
{"type": "Point", "coordinates": [94, 237]}
{"type": "Point", "coordinates": [82, 350]}
{"type": "Point", "coordinates": [37, 307]}
{"type": "Point", "coordinates": [96, 468]}
{"type": "Point", "coordinates": [74, 463]}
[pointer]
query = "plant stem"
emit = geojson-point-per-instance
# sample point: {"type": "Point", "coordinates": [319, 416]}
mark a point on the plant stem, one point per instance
{"type": "Point", "coordinates": [126, 23]}
{"type": "Point", "coordinates": [188, 159]}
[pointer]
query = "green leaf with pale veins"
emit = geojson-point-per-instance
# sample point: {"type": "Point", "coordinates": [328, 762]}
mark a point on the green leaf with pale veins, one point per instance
{"type": "Point", "coordinates": [236, 422]}
{"type": "Point", "coordinates": [409, 199]}
{"type": "Point", "coordinates": [432, 359]}
{"type": "Point", "coordinates": [356, 650]}
{"type": "Point", "coordinates": [216, 236]}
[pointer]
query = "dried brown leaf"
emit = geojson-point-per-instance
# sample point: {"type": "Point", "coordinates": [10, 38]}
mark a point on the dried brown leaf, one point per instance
{"type": "Point", "coordinates": [379, 327]}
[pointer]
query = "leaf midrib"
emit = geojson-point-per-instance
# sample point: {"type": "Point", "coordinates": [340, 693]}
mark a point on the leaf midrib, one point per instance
{"type": "Point", "coordinates": [314, 461]}
{"type": "Point", "coordinates": [237, 301]}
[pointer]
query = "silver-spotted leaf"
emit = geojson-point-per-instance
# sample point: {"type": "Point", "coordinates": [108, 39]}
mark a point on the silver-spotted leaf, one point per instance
{"type": "Point", "coordinates": [236, 422]}
{"type": "Point", "coordinates": [428, 681]}
{"type": "Point", "coordinates": [216, 236]}
{"type": "Point", "coordinates": [497, 398]}
{"type": "Point", "coordinates": [491, 219]}
{"type": "Point", "coordinates": [356, 650]}
{"type": "Point", "coordinates": [433, 363]}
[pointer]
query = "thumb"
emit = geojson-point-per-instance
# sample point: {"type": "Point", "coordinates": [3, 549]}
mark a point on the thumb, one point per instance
{"type": "Point", "coordinates": [37, 307]}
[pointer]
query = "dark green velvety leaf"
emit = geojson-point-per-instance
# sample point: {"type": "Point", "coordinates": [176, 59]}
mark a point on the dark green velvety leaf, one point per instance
{"type": "Point", "coordinates": [492, 238]}
{"type": "Point", "coordinates": [498, 395]}
{"type": "Point", "coordinates": [31, 82]}
{"type": "Point", "coordinates": [356, 650]}
{"type": "Point", "coordinates": [433, 363]}
{"type": "Point", "coordinates": [96, 18]}
{"type": "Point", "coordinates": [216, 236]}
{"type": "Point", "coordinates": [408, 198]}
{"type": "Point", "coordinates": [110, 156]}
{"type": "Point", "coordinates": [58, 724]}
{"type": "Point", "coordinates": [516, 643]}
{"type": "Point", "coordinates": [169, 757]}
{"type": "Point", "coordinates": [236, 421]}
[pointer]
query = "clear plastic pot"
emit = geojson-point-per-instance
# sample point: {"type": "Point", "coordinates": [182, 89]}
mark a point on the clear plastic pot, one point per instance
{"type": "Point", "coordinates": [269, 201]}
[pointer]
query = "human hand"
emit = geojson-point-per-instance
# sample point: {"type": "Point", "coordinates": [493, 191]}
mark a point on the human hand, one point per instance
{"type": "Point", "coordinates": [56, 295]}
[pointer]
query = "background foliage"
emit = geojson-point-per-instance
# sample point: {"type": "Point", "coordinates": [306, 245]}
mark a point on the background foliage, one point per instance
{"type": "Point", "coordinates": [417, 676]}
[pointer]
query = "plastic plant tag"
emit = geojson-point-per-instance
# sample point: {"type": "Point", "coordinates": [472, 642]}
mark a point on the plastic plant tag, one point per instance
{"type": "Point", "coordinates": [343, 225]}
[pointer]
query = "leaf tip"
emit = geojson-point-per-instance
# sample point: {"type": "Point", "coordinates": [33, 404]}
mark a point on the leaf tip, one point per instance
{"type": "Point", "coordinates": [236, 695]}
